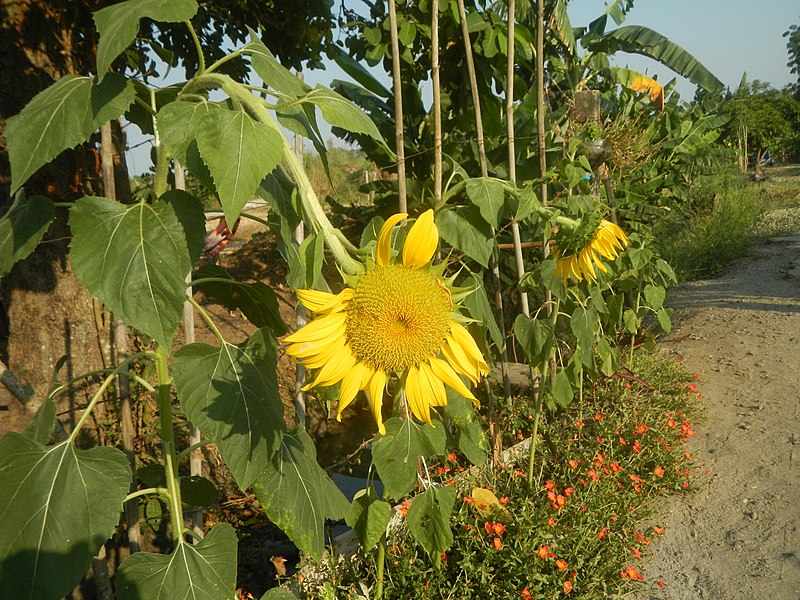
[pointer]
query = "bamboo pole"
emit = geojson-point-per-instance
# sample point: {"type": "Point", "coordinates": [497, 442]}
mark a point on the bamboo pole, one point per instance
{"type": "Point", "coordinates": [437, 105]}
{"type": "Point", "coordinates": [299, 236]}
{"type": "Point", "coordinates": [398, 110]}
{"type": "Point", "coordinates": [121, 351]}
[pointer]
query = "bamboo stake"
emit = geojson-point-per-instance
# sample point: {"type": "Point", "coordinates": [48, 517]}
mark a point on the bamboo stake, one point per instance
{"type": "Point", "coordinates": [437, 105]}
{"type": "Point", "coordinates": [398, 110]}
{"type": "Point", "coordinates": [120, 343]}
{"type": "Point", "coordinates": [299, 236]}
{"type": "Point", "coordinates": [512, 160]}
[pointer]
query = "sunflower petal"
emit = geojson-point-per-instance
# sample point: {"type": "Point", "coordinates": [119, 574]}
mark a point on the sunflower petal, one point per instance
{"type": "Point", "coordinates": [324, 302]}
{"type": "Point", "coordinates": [445, 373]}
{"type": "Point", "coordinates": [335, 369]}
{"type": "Point", "coordinates": [377, 384]}
{"type": "Point", "coordinates": [458, 359]}
{"type": "Point", "coordinates": [383, 252]}
{"type": "Point", "coordinates": [319, 329]}
{"type": "Point", "coordinates": [418, 393]}
{"type": "Point", "coordinates": [352, 382]}
{"type": "Point", "coordinates": [465, 340]}
{"type": "Point", "coordinates": [438, 396]}
{"type": "Point", "coordinates": [421, 241]}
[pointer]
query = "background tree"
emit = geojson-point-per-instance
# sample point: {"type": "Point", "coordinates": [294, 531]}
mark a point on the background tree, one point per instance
{"type": "Point", "coordinates": [793, 46]}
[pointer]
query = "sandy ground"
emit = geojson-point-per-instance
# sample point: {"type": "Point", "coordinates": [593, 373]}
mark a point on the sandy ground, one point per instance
{"type": "Point", "coordinates": [738, 538]}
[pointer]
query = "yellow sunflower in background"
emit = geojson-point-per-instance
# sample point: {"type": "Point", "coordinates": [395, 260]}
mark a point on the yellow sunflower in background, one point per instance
{"type": "Point", "coordinates": [397, 317]}
{"type": "Point", "coordinates": [579, 260]}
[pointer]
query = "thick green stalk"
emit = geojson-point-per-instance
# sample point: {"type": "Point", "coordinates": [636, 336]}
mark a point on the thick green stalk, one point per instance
{"type": "Point", "coordinates": [168, 444]}
{"type": "Point", "coordinates": [381, 559]}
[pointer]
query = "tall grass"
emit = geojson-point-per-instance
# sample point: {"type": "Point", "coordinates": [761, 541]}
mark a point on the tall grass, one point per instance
{"type": "Point", "coordinates": [731, 214]}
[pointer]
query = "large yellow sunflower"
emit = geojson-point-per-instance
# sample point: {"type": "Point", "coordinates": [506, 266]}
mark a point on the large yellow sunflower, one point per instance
{"type": "Point", "coordinates": [579, 263]}
{"type": "Point", "coordinates": [397, 317]}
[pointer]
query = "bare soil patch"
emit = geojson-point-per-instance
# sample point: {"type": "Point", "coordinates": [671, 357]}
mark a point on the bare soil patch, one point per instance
{"type": "Point", "coordinates": [737, 538]}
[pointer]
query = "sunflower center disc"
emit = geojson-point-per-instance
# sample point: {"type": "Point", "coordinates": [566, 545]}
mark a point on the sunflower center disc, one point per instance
{"type": "Point", "coordinates": [397, 317]}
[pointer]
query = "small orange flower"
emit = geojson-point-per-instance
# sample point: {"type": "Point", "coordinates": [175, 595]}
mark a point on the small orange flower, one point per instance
{"type": "Point", "coordinates": [498, 543]}
{"type": "Point", "coordinates": [632, 574]}
{"type": "Point", "coordinates": [635, 478]}
{"type": "Point", "coordinates": [603, 533]}
{"type": "Point", "coordinates": [573, 463]}
{"type": "Point", "coordinates": [503, 500]}
{"type": "Point", "coordinates": [658, 471]}
{"type": "Point", "coordinates": [615, 467]}
{"type": "Point", "coordinates": [598, 416]}
{"type": "Point", "coordinates": [636, 552]}
{"type": "Point", "coordinates": [544, 552]}
{"type": "Point", "coordinates": [551, 522]}
{"type": "Point", "coordinates": [637, 447]}
{"type": "Point", "coordinates": [562, 565]}
{"type": "Point", "coordinates": [403, 508]}
{"type": "Point", "coordinates": [525, 594]}
{"type": "Point", "coordinates": [567, 587]}
{"type": "Point", "coordinates": [451, 457]}
{"type": "Point", "coordinates": [658, 530]}
{"type": "Point", "coordinates": [550, 485]}
{"type": "Point", "coordinates": [469, 500]}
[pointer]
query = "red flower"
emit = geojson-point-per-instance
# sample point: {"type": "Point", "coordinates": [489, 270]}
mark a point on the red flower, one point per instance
{"type": "Point", "coordinates": [469, 500]}
{"type": "Point", "coordinates": [573, 463]}
{"type": "Point", "coordinates": [615, 467]}
{"type": "Point", "coordinates": [658, 530]}
{"type": "Point", "coordinates": [635, 478]}
{"type": "Point", "coordinates": [636, 552]}
{"type": "Point", "coordinates": [637, 447]}
{"type": "Point", "coordinates": [551, 522]}
{"type": "Point", "coordinates": [603, 533]}
{"type": "Point", "coordinates": [544, 552]}
{"type": "Point", "coordinates": [503, 500]}
{"type": "Point", "coordinates": [641, 429]}
{"type": "Point", "coordinates": [562, 565]}
{"type": "Point", "coordinates": [598, 416]}
{"type": "Point", "coordinates": [498, 543]}
{"type": "Point", "coordinates": [550, 485]}
{"type": "Point", "coordinates": [567, 587]}
{"type": "Point", "coordinates": [451, 457]}
{"type": "Point", "coordinates": [525, 594]}
{"type": "Point", "coordinates": [632, 574]}
{"type": "Point", "coordinates": [658, 471]}
{"type": "Point", "coordinates": [403, 508]}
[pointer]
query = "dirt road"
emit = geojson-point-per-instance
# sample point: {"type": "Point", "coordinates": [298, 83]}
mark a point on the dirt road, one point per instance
{"type": "Point", "coordinates": [738, 538]}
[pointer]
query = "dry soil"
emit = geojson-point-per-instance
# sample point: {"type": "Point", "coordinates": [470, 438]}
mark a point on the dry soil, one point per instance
{"type": "Point", "coordinates": [737, 538]}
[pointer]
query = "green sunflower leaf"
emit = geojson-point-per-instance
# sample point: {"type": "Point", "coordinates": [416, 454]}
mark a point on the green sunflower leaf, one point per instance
{"type": "Point", "coordinates": [61, 117]}
{"type": "Point", "coordinates": [22, 228]}
{"type": "Point", "coordinates": [341, 112]}
{"type": "Point", "coordinates": [278, 594]}
{"type": "Point", "coordinates": [256, 301]}
{"type": "Point", "coordinates": [467, 231]}
{"type": "Point", "coordinates": [272, 73]}
{"type": "Point", "coordinates": [368, 517]}
{"type": "Point", "coordinates": [536, 336]}
{"type": "Point", "coordinates": [487, 194]}
{"type": "Point", "coordinates": [395, 454]}
{"type": "Point", "coordinates": [118, 24]}
{"type": "Point", "coordinates": [479, 308]}
{"type": "Point", "coordinates": [428, 519]}
{"type": "Point", "coordinates": [239, 151]}
{"type": "Point", "coordinates": [177, 125]}
{"type": "Point", "coordinates": [298, 495]}
{"type": "Point", "coordinates": [470, 437]}
{"type": "Point", "coordinates": [231, 394]}
{"type": "Point", "coordinates": [135, 257]}
{"type": "Point", "coordinates": [58, 505]}
{"type": "Point", "coordinates": [206, 570]}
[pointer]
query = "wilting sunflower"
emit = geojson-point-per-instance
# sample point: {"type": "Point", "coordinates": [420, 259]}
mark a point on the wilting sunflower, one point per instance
{"type": "Point", "coordinates": [396, 318]}
{"type": "Point", "coordinates": [578, 260]}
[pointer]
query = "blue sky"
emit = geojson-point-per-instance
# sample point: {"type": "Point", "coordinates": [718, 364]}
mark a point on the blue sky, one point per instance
{"type": "Point", "coordinates": [730, 37]}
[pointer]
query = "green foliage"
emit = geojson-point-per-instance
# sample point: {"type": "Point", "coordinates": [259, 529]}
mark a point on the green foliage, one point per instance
{"type": "Point", "coordinates": [59, 505]}
{"type": "Point", "coordinates": [204, 570]}
{"type": "Point", "coordinates": [22, 228]}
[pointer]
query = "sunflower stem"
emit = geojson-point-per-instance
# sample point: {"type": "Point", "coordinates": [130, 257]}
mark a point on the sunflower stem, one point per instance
{"type": "Point", "coordinates": [381, 560]}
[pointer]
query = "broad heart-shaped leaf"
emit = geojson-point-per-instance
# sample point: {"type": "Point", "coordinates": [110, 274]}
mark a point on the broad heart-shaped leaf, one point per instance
{"type": "Point", "coordinates": [205, 571]}
{"type": "Point", "coordinates": [61, 117]}
{"type": "Point", "coordinates": [562, 389]}
{"type": "Point", "coordinates": [428, 519]}
{"type": "Point", "coordinates": [239, 152]}
{"type": "Point", "coordinates": [256, 301]}
{"type": "Point", "coordinates": [471, 438]}
{"type": "Point", "coordinates": [467, 231]}
{"type": "Point", "coordinates": [278, 594]}
{"type": "Point", "coordinates": [135, 257]}
{"type": "Point", "coordinates": [369, 517]}
{"type": "Point", "coordinates": [177, 125]}
{"type": "Point", "coordinates": [231, 395]}
{"type": "Point", "coordinates": [487, 195]}
{"type": "Point", "coordinates": [22, 228]}
{"type": "Point", "coordinates": [298, 495]}
{"type": "Point", "coordinates": [341, 112]}
{"type": "Point", "coordinates": [41, 425]}
{"type": "Point", "coordinates": [655, 295]}
{"type": "Point", "coordinates": [536, 338]}
{"type": "Point", "coordinates": [58, 505]}
{"type": "Point", "coordinates": [119, 24]}
{"type": "Point", "coordinates": [395, 454]}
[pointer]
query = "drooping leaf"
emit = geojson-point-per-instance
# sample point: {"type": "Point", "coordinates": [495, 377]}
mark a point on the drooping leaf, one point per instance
{"type": "Point", "coordinates": [340, 112]}
{"type": "Point", "coordinates": [177, 125]}
{"type": "Point", "coordinates": [467, 231]}
{"type": "Point", "coordinates": [118, 24]}
{"type": "Point", "coordinates": [368, 517]}
{"type": "Point", "coordinates": [485, 501]}
{"type": "Point", "coordinates": [357, 71]}
{"type": "Point", "coordinates": [231, 394]}
{"type": "Point", "coordinates": [479, 308]}
{"type": "Point", "coordinates": [22, 228]}
{"type": "Point", "coordinates": [256, 301]}
{"type": "Point", "coordinates": [470, 436]}
{"type": "Point", "coordinates": [204, 571]}
{"type": "Point", "coordinates": [428, 519]}
{"type": "Point", "coordinates": [298, 495]}
{"type": "Point", "coordinates": [395, 454]}
{"type": "Point", "coordinates": [664, 319]}
{"type": "Point", "coordinates": [278, 594]}
{"type": "Point", "coordinates": [135, 257]}
{"type": "Point", "coordinates": [41, 425]}
{"type": "Point", "coordinates": [273, 73]}
{"type": "Point", "coordinates": [536, 338]}
{"type": "Point", "coordinates": [58, 505]}
{"type": "Point", "coordinates": [562, 388]}
{"type": "Point", "coordinates": [239, 152]}
{"type": "Point", "coordinates": [487, 194]}
{"type": "Point", "coordinates": [655, 295]}
{"type": "Point", "coordinates": [61, 117]}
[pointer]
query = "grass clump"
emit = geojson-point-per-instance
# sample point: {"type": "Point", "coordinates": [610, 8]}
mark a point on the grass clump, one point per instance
{"type": "Point", "coordinates": [583, 525]}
